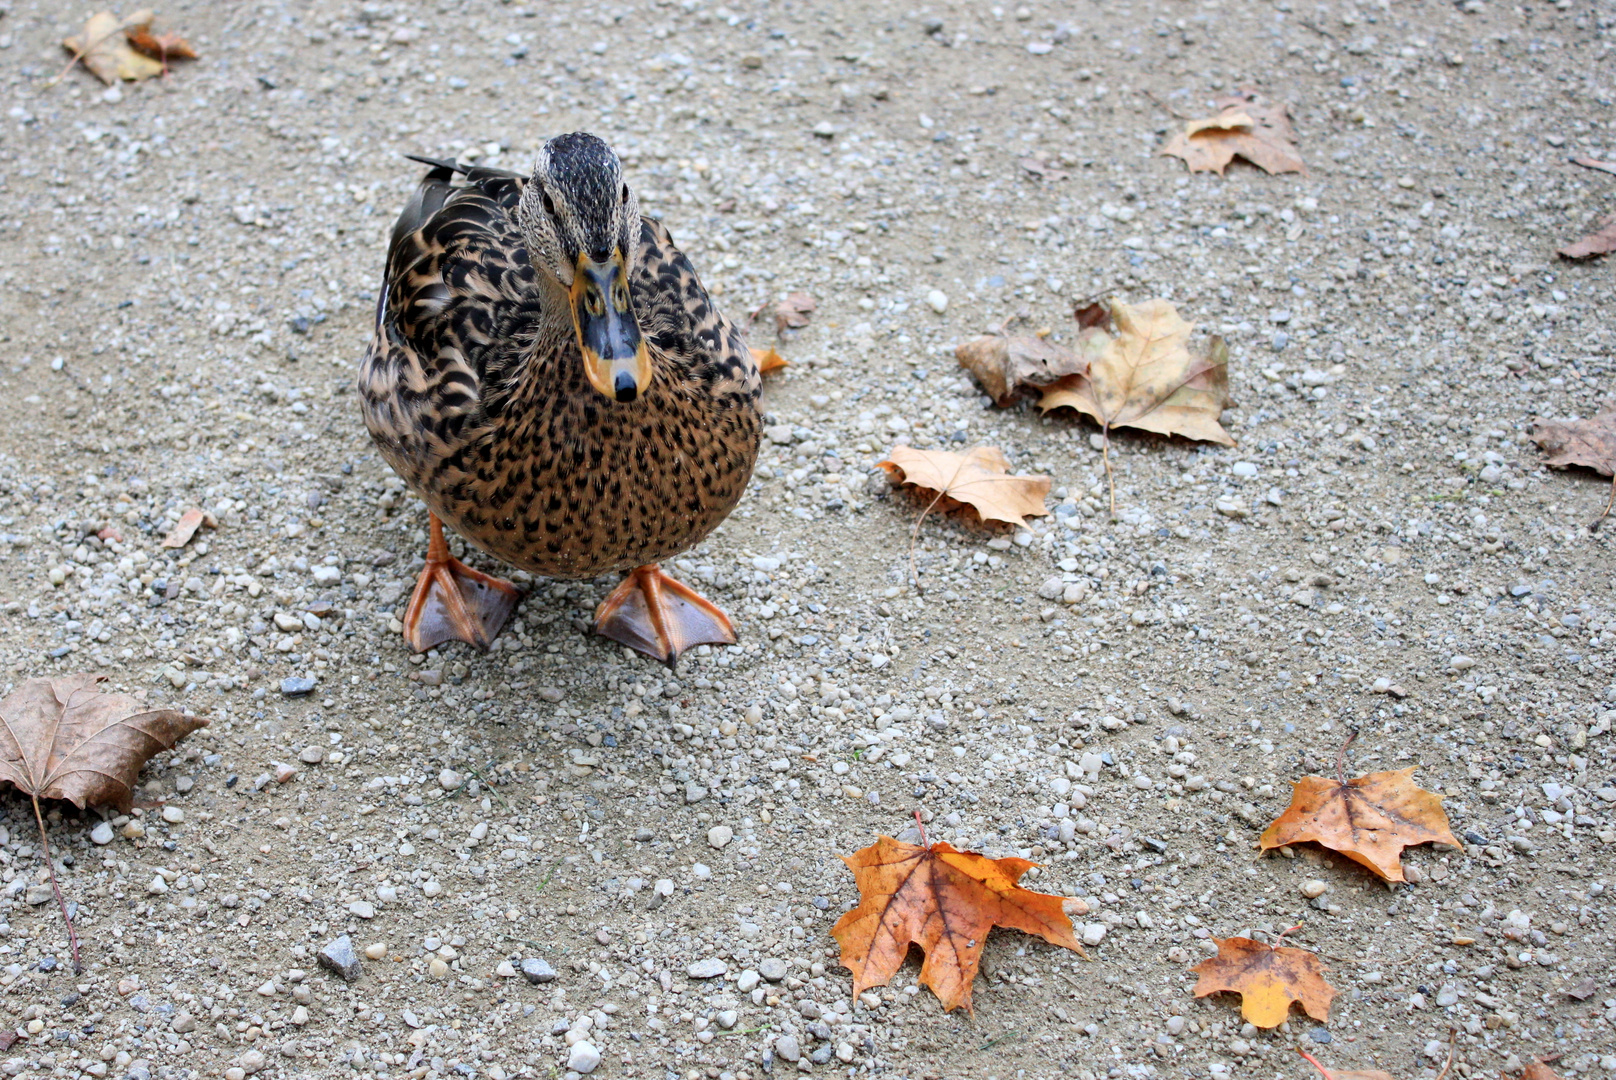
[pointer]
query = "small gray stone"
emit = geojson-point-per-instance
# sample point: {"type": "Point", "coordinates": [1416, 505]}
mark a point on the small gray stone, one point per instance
{"type": "Point", "coordinates": [694, 792]}
{"type": "Point", "coordinates": [311, 755]}
{"type": "Point", "coordinates": [449, 780]}
{"type": "Point", "coordinates": [297, 685]}
{"type": "Point", "coordinates": [37, 894]}
{"type": "Point", "coordinates": [537, 971]}
{"type": "Point", "coordinates": [710, 968]}
{"type": "Point", "coordinates": [102, 834]}
{"type": "Point", "coordinates": [774, 970]}
{"type": "Point", "coordinates": [338, 956]}
{"type": "Point", "coordinates": [182, 1024]}
{"type": "Point", "coordinates": [719, 835]}
{"type": "Point", "coordinates": [363, 909]}
{"type": "Point", "coordinates": [787, 1049]}
{"type": "Point", "coordinates": [728, 1018]}
{"type": "Point", "coordinates": [584, 1058]}
{"type": "Point", "coordinates": [748, 981]}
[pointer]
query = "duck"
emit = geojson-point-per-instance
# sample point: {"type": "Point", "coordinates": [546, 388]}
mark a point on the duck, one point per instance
{"type": "Point", "coordinates": [549, 376]}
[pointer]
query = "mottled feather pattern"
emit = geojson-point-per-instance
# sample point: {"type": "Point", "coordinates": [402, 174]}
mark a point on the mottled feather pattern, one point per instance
{"type": "Point", "coordinates": [494, 425]}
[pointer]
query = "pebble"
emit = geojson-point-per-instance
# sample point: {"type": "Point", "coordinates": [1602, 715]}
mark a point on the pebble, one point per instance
{"type": "Point", "coordinates": [449, 780]}
{"type": "Point", "coordinates": [41, 894]}
{"type": "Point", "coordinates": [362, 909]}
{"type": "Point", "coordinates": [787, 1049]}
{"type": "Point", "coordinates": [437, 968]}
{"type": "Point", "coordinates": [431, 889]}
{"type": "Point", "coordinates": [102, 834]}
{"type": "Point", "coordinates": [338, 956]}
{"type": "Point", "coordinates": [1093, 933]}
{"type": "Point", "coordinates": [252, 1061]}
{"type": "Point", "coordinates": [311, 755]}
{"type": "Point", "coordinates": [505, 969]}
{"type": "Point", "coordinates": [297, 685]}
{"type": "Point", "coordinates": [937, 300]}
{"type": "Point", "coordinates": [727, 1019]}
{"type": "Point", "coordinates": [537, 971]}
{"type": "Point", "coordinates": [709, 968]}
{"type": "Point", "coordinates": [173, 815]}
{"type": "Point", "coordinates": [583, 1058]}
{"type": "Point", "coordinates": [719, 835]}
{"type": "Point", "coordinates": [748, 981]}
{"type": "Point", "coordinates": [1314, 887]}
{"type": "Point", "coordinates": [772, 969]}
{"type": "Point", "coordinates": [182, 1024]}
{"type": "Point", "coordinates": [376, 950]}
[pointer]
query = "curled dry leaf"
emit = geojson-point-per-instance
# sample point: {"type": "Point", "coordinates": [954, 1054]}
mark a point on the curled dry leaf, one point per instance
{"type": "Point", "coordinates": [1601, 241]}
{"type": "Point", "coordinates": [793, 312]}
{"type": "Point", "coordinates": [1589, 443]}
{"type": "Point", "coordinates": [1145, 376]}
{"type": "Point", "coordinates": [1536, 1070]}
{"type": "Point", "coordinates": [1245, 128]}
{"type": "Point", "coordinates": [1004, 365]}
{"type": "Point", "coordinates": [768, 360]}
{"type": "Point", "coordinates": [185, 528]}
{"type": "Point", "coordinates": [1267, 978]}
{"type": "Point", "coordinates": [979, 479]}
{"type": "Point", "coordinates": [1369, 819]}
{"type": "Point", "coordinates": [103, 48]}
{"type": "Point", "coordinates": [945, 901]}
{"type": "Point", "coordinates": [1595, 163]}
{"type": "Point", "coordinates": [1346, 1074]}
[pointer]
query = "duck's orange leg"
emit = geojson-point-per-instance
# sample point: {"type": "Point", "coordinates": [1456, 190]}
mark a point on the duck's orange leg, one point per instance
{"type": "Point", "coordinates": [453, 602]}
{"type": "Point", "coordinates": [661, 617]}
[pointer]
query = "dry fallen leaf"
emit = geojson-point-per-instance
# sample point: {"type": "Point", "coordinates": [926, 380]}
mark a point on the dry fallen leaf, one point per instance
{"type": "Point", "coordinates": [978, 478]}
{"type": "Point", "coordinates": [1595, 163]}
{"type": "Point", "coordinates": [1369, 819]}
{"type": "Point", "coordinates": [62, 739]}
{"type": "Point", "coordinates": [945, 901]}
{"type": "Point", "coordinates": [768, 360]}
{"type": "Point", "coordinates": [1267, 978]}
{"type": "Point", "coordinates": [1004, 365]}
{"type": "Point", "coordinates": [184, 529]}
{"type": "Point", "coordinates": [1589, 443]}
{"type": "Point", "coordinates": [1259, 133]}
{"type": "Point", "coordinates": [160, 47]}
{"type": "Point", "coordinates": [1346, 1074]}
{"type": "Point", "coordinates": [1145, 377]}
{"type": "Point", "coordinates": [1602, 241]}
{"type": "Point", "coordinates": [1042, 169]}
{"type": "Point", "coordinates": [792, 313]}
{"type": "Point", "coordinates": [102, 47]}
{"type": "Point", "coordinates": [1536, 1070]}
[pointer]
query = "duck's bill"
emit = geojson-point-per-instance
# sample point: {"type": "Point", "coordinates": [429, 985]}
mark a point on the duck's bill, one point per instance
{"type": "Point", "coordinates": [615, 357]}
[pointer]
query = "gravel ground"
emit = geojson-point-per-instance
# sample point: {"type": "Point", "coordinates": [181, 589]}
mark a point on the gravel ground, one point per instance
{"type": "Point", "coordinates": [558, 852]}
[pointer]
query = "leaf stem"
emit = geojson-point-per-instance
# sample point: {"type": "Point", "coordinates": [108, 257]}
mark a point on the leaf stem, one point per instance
{"type": "Point", "coordinates": [1341, 756]}
{"type": "Point", "coordinates": [50, 865]}
{"type": "Point", "coordinates": [1282, 934]}
{"type": "Point", "coordinates": [1110, 481]}
{"type": "Point", "coordinates": [921, 826]}
{"type": "Point", "coordinates": [1608, 504]}
{"type": "Point", "coordinates": [1315, 1063]}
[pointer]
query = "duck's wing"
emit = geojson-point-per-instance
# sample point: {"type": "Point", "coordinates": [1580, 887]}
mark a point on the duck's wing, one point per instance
{"type": "Point", "coordinates": [681, 321]}
{"type": "Point", "coordinates": [458, 304]}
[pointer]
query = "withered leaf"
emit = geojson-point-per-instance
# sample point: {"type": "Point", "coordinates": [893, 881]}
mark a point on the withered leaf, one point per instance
{"type": "Point", "coordinates": [1369, 819]}
{"type": "Point", "coordinates": [62, 739]}
{"type": "Point", "coordinates": [1042, 169]}
{"type": "Point", "coordinates": [1145, 376]}
{"type": "Point", "coordinates": [1595, 163]}
{"type": "Point", "coordinates": [1245, 128]}
{"type": "Point", "coordinates": [768, 360]}
{"type": "Point", "coordinates": [978, 478]}
{"type": "Point", "coordinates": [1004, 365]}
{"type": "Point", "coordinates": [1346, 1074]}
{"type": "Point", "coordinates": [1536, 1070]}
{"type": "Point", "coordinates": [793, 312]}
{"type": "Point", "coordinates": [1589, 443]}
{"type": "Point", "coordinates": [1601, 241]}
{"type": "Point", "coordinates": [945, 901]}
{"type": "Point", "coordinates": [160, 47]}
{"type": "Point", "coordinates": [103, 48]}
{"type": "Point", "coordinates": [1267, 978]}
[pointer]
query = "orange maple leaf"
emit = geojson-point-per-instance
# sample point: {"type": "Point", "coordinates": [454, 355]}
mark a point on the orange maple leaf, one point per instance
{"type": "Point", "coordinates": [768, 360]}
{"type": "Point", "coordinates": [945, 901]}
{"type": "Point", "coordinates": [1267, 978]}
{"type": "Point", "coordinates": [979, 479]}
{"type": "Point", "coordinates": [1245, 128]}
{"type": "Point", "coordinates": [1369, 819]}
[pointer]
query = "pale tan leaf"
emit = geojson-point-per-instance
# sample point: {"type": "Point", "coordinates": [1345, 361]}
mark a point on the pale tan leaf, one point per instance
{"type": "Point", "coordinates": [1145, 376]}
{"type": "Point", "coordinates": [184, 529]}
{"type": "Point", "coordinates": [1004, 365]}
{"type": "Point", "coordinates": [978, 479]}
{"type": "Point", "coordinates": [102, 48]}
{"type": "Point", "coordinates": [1245, 128]}
{"type": "Point", "coordinates": [1601, 241]}
{"type": "Point", "coordinates": [1589, 443]}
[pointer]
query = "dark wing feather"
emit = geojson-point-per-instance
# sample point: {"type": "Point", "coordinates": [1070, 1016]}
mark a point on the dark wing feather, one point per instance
{"type": "Point", "coordinates": [679, 319]}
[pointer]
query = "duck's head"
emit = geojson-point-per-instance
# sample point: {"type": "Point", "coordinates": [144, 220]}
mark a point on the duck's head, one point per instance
{"type": "Point", "coordinates": [582, 227]}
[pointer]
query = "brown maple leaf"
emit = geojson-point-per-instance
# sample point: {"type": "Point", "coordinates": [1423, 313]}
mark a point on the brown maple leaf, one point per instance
{"type": "Point", "coordinates": [1345, 1074]}
{"type": "Point", "coordinates": [768, 360]}
{"type": "Point", "coordinates": [1601, 241]}
{"type": "Point", "coordinates": [1537, 1070]}
{"type": "Point", "coordinates": [1006, 364]}
{"type": "Point", "coordinates": [1369, 819]}
{"type": "Point", "coordinates": [945, 901]}
{"type": "Point", "coordinates": [978, 478]}
{"type": "Point", "coordinates": [1245, 128]}
{"type": "Point", "coordinates": [62, 739]}
{"type": "Point", "coordinates": [1589, 443]}
{"type": "Point", "coordinates": [103, 48]}
{"type": "Point", "coordinates": [1144, 376]}
{"type": "Point", "coordinates": [792, 313]}
{"type": "Point", "coordinates": [160, 47]}
{"type": "Point", "coordinates": [1267, 978]}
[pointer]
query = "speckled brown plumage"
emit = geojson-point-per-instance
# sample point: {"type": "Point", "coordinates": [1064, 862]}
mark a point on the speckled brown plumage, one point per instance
{"type": "Point", "coordinates": [482, 406]}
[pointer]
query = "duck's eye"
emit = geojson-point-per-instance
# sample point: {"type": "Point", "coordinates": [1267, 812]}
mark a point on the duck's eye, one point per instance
{"type": "Point", "coordinates": [549, 203]}
{"type": "Point", "coordinates": [625, 194]}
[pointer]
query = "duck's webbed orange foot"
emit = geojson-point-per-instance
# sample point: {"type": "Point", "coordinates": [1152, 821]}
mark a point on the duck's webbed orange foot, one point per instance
{"type": "Point", "coordinates": [453, 602]}
{"type": "Point", "coordinates": [661, 617]}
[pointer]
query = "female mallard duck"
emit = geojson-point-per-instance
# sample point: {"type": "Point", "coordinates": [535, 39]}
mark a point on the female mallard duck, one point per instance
{"type": "Point", "coordinates": [552, 380]}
